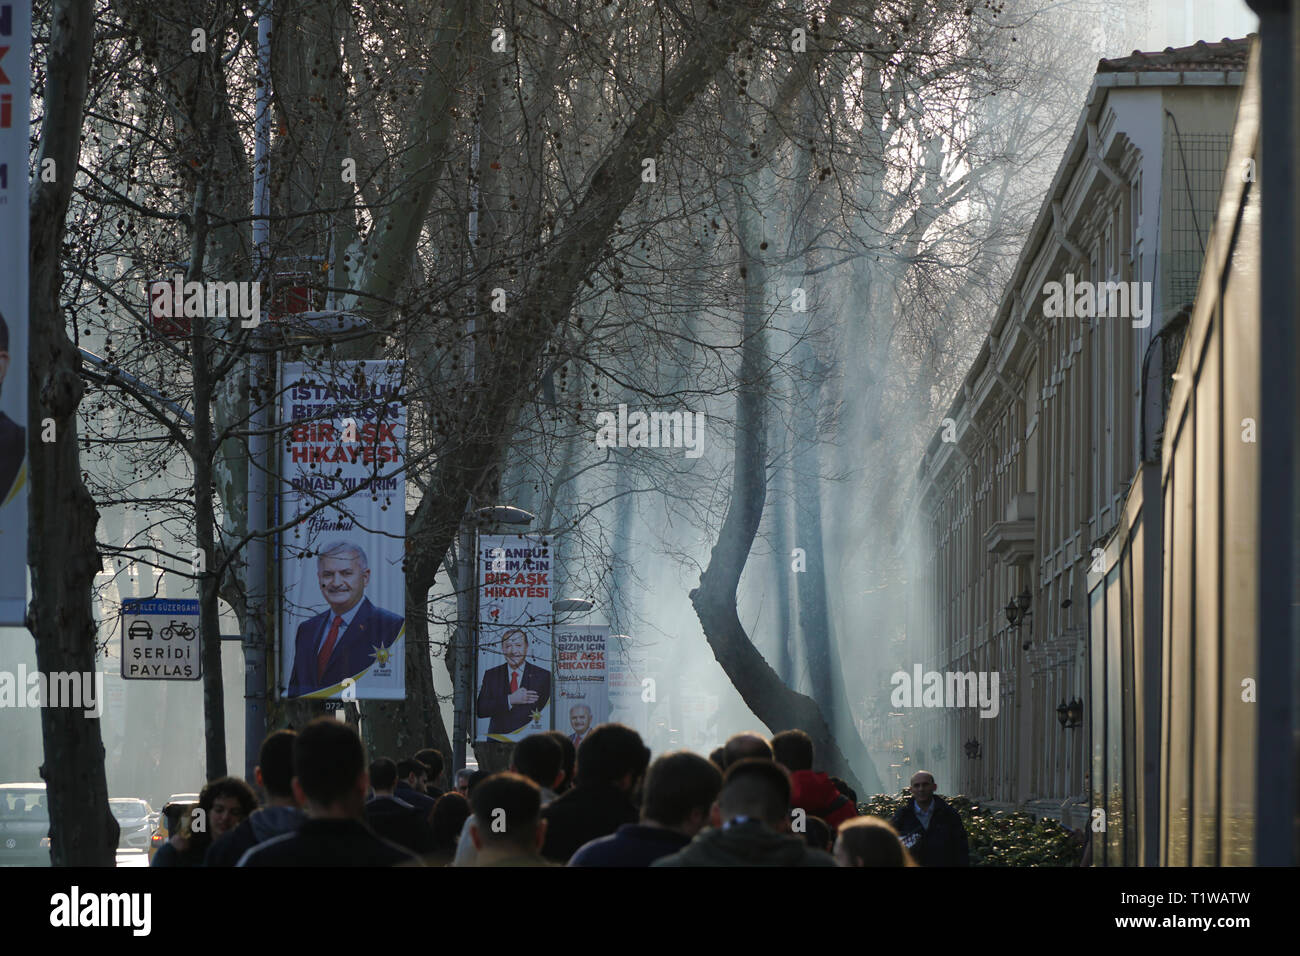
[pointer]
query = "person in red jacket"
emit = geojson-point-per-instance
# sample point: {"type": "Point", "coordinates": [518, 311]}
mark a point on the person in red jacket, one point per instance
{"type": "Point", "coordinates": [813, 792]}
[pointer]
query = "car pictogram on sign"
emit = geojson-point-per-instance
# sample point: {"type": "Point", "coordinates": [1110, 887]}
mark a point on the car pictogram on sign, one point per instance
{"type": "Point", "coordinates": [140, 631]}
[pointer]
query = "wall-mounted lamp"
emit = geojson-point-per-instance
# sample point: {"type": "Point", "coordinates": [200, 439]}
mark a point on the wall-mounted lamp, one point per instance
{"type": "Point", "coordinates": [1070, 715]}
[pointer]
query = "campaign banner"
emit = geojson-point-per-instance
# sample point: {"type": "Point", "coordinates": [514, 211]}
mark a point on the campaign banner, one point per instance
{"type": "Point", "coordinates": [160, 639]}
{"type": "Point", "coordinates": [343, 623]}
{"type": "Point", "coordinates": [581, 675]}
{"type": "Point", "coordinates": [631, 689]}
{"type": "Point", "coordinates": [515, 661]}
{"type": "Point", "coordinates": [15, 81]}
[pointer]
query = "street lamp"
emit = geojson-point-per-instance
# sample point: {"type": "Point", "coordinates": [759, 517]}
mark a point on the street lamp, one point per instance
{"type": "Point", "coordinates": [571, 605]}
{"type": "Point", "coordinates": [504, 514]}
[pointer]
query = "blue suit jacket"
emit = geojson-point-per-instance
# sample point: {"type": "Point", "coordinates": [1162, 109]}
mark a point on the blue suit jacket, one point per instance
{"type": "Point", "coordinates": [493, 694]}
{"type": "Point", "coordinates": [353, 652]}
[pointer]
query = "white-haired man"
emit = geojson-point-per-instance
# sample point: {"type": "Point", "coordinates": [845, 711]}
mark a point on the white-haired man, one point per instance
{"type": "Point", "coordinates": [341, 642]}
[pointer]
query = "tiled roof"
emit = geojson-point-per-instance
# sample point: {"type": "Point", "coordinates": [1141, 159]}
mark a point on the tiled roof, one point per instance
{"type": "Point", "coordinates": [1226, 54]}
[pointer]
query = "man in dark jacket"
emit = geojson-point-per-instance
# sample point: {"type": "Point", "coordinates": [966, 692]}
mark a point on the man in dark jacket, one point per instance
{"type": "Point", "coordinates": [274, 773]}
{"type": "Point", "coordinates": [330, 780]}
{"type": "Point", "coordinates": [751, 823]}
{"type": "Point", "coordinates": [814, 793]}
{"type": "Point", "coordinates": [679, 792]}
{"type": "Point", "coordinates": [611, 761]}
{"type": "Point", "coordinates": [391, 817]}
{"type": "Point", "coordinates": [931, 829]}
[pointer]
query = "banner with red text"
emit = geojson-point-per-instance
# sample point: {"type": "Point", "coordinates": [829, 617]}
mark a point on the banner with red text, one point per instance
{"type": "Point", "coordinates": [343, 621]}
{"type": "Point", "coordinates": [514, 680]}
{"type": "Point", "coordinates": [580, 669]}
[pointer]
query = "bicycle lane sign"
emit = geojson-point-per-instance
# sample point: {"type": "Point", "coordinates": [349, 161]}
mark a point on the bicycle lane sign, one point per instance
{"type": "Point", "coordinates": [160, 640]}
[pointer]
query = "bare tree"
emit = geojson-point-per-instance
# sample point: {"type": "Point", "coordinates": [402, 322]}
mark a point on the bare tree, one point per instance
{"type": "Point", "coordinates": [64, 563]}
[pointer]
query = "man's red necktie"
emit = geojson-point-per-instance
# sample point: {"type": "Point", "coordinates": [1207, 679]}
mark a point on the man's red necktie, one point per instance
{"type": "Point", "coordinates": [323, 658]}
{"type": "Point", "coordinates": [514, 681]}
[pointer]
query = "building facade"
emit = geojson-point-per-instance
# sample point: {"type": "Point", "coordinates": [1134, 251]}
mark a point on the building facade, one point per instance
{"type": "Point", "coordinates": [1028, 473]}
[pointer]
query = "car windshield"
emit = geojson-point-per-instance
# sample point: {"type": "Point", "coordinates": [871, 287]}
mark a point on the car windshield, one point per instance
{"type": "Point", "coordinates": [23, 805]}
{"type": "Point", "coordinates": [128, 809]}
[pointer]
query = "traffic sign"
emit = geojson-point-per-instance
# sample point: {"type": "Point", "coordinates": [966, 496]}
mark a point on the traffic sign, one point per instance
{"type": "Point", "coordinates": [160, 640]}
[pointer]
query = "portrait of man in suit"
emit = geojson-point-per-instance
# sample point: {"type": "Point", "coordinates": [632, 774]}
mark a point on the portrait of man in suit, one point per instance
{"type": "Point", "coordinates": [13, 437]}
{"type": "Point", "coordinates": [344, 640]}
{"type": "Point", "coordinates": [512, 691]}
{"type": "Point", "coordinates": [580, 721]}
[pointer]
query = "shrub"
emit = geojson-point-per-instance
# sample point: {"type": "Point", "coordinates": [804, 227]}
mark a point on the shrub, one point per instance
{"type": "Point", "coordinates": [997, 838]}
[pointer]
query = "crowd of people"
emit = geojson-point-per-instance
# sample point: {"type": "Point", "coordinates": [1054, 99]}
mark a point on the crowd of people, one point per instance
{"type": "Point", "coordinates": [753, 802]}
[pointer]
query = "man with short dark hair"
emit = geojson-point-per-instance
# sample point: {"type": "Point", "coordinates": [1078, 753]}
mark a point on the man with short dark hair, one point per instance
{"type": "Point", "coordinates": [411, 779]}
{"type": "Point", "coordinates": [745, 746]}
{"type": "Point", "coordinates": [751, 824]}
{"type": "Point", "coordinates": [537, 757]}
{"type": "Point", "coordinates": [611, 760]}
{"type": "Point", "coordinates": [505, 827]}
{"type": "Point", "coordinates": [511, 693]}
{"type": "Point", "coordinates": [433, 763]}
{"type": "Point", "coordinates": [814, 793]}
{"type": "Point", "coordinates": [931, 830]}
{"type": "Point", "coordinates": [330, 780]}
{"type": "Point", "coordinates": [570, 758]}
{"type": "Point", "coordinates": [392, 817]}
{"type": "Point", "coordinates": [679, 791]}
{"type": "Point", "coordinates": [280, 815]}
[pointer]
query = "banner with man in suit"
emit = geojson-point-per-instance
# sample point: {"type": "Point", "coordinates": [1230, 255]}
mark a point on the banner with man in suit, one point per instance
{"type": "Point", "coordinates": [581, 670]}
{"type": "Point", "coordinates": [514, 683]}
{"type": "Point", "coordinates": [343, 623]}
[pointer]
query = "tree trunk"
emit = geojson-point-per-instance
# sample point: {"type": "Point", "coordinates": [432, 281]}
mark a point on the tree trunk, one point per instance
{"type": "Point", "coordinates": [782, 627]}
{"type": "Point", "coordinates": [62, 516]}
{"type": "Point", "coordinates": [762, 689]}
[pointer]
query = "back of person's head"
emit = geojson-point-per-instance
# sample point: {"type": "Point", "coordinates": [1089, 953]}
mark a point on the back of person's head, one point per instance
{"type": "Point", "coordinates": [870, 841]}
{"type": "Point", "coordinates": [448, 816]}
{"type": "Point", "coordinates": [793, 749]}
{"type": "Point", "coordinates": [328, 762]}
{"type": "Point", "coordinates": [432, 761]}
{"type": "Point", "coordinates": [383, 774]}
{"type": "Point", "coordinates": [611, 752]}
{"type": "Point", "coordinates": [843, 787]}
{"type": "Point", "coordinates": [817, 833]}
{"type": "Point", "coordinates": [744, 747]}
{"type": "Point", "coordinates": [570, 757]}
{"type": "Point", "coordinates": [409, 765]}
{"type": "Point", "coordinates": [275, 764]}
{"type": "Point", "coordinates": [506, 808]}
{"type": "Point", "coordinates": [675, 785]}
{"type": "Point", "coordinates": [475, 778]}
{"type": "Point", "coordinates": [539, 758]}
{"type": "Point", "coordinates": [718, 758]}
{"type": "Point", "coordinates": [757, 789]}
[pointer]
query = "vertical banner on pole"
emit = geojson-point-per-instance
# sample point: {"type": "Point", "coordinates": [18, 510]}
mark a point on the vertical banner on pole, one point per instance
{"type": "Point", "coordinates": [343, 620]}
{"type": "Point", "coordinates": [632, 692]}
{"type": "Point", "coordinates": [15, 81]}
{"type": "Point", "coordinates": [514, 680]}
{"type": "Point", "coordinates": [583, 697]}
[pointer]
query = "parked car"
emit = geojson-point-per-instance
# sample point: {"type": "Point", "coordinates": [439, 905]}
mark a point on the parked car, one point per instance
{"type": "Point", "coordinates": [136, 820]}
{"type": "Point", "coordinates": [169, 819]}
{"type": "Point", "coordinates": [24, 825]}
